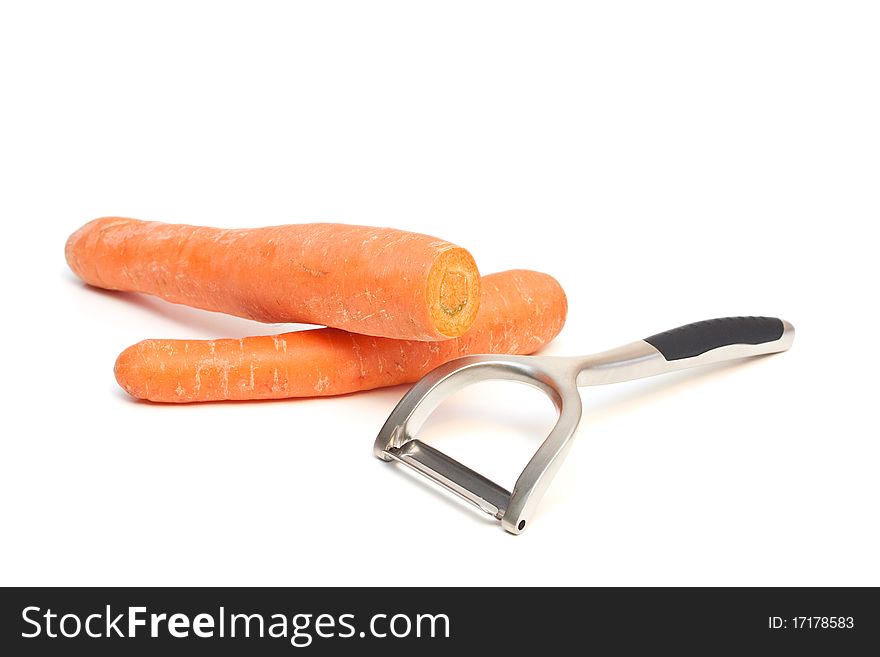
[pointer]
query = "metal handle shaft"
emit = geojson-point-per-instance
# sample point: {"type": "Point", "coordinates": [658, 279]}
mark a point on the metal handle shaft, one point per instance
{"type": "Point", "coordinates": [702, 343]}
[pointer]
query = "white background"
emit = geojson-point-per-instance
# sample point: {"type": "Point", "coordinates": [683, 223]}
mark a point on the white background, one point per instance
{"type": "Point", "coordinates": [667, 162]}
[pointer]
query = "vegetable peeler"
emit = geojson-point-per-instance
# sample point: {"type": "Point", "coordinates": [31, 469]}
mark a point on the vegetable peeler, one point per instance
{"type": "Point", "coordinates": [701, 343]}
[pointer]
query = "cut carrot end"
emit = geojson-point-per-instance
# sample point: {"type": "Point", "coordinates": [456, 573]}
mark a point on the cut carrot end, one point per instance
{"type": "Point", "coordinates": [453, 292]}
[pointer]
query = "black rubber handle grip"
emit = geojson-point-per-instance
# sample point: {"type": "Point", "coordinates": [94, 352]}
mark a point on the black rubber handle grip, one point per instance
{"type": "Point", "coordinates": [700, 337]}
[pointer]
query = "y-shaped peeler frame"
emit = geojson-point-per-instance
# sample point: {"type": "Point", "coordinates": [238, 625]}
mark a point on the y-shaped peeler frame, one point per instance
{"type": "Point", "coordinates": [702, 343]}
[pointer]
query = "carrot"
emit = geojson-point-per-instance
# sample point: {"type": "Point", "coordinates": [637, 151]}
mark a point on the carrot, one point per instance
{"type": "Point", "coordinates": [376, 281]}
{"type": "Point", "coordinates": [521, 311]}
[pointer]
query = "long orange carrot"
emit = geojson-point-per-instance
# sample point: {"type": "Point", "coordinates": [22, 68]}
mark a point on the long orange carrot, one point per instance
{"type": "Point", "coordinates": [376, 281]}
{"type": "Point", "coordinates": [521, 311]}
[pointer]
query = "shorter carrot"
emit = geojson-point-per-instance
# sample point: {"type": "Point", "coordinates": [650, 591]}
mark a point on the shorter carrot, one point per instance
{"type": "Point", "coordinates": [376, 281]}
{"type": "Point", "coordinates": [520, 312]}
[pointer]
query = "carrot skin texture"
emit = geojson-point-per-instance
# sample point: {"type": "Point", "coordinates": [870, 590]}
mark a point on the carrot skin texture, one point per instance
{"type": "Point", "coordinates": [521, 311]}
{"type": "Point", "coordinates": [375, 281]}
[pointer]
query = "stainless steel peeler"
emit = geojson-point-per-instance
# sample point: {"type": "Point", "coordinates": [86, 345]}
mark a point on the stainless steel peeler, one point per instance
{"type": "Point", "coordinates": [701, 343]}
